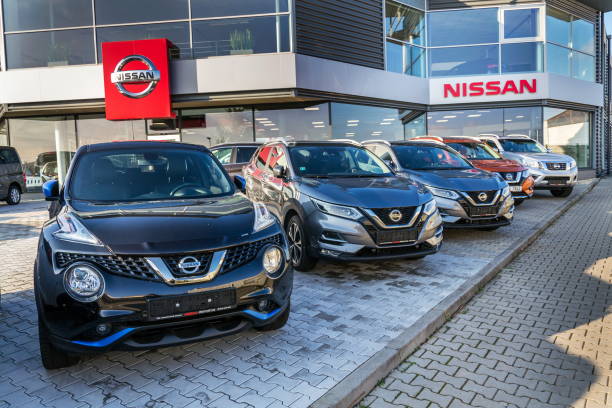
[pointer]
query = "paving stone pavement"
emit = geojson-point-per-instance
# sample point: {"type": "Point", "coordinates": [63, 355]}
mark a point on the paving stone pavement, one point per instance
{"type": "Point", "coordinates": [538, 335]}
{"type": "Point", "coordinates": [342, 314]}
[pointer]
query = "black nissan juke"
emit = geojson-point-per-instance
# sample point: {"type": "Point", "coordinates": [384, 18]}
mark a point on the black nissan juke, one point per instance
{"type": "Point", "coordinates": [153, 245]}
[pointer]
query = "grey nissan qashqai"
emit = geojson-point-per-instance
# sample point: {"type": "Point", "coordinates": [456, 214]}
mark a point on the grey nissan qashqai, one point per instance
{"type": "Point", "coordinates": [152, 245]}
{"type": "Point", "coordinates": [338, 200]}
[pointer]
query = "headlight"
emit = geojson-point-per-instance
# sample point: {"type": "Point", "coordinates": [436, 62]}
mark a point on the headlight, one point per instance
{"type": "Point", "coordinates": [572, 164]}
{"type": "Point", "coordinates": [263, 217]}
{"type": "Point", "coordinates": [532, 163]}
{"type": "Point", "coordinates": [272, 259]}
{"type": "Point", "coordinates": [439, 192]}
{"type": "Point", "coordinates": [337, 210]}
{"type": "Point", "coordinates": [525, 173]}
{"type": "Point", "coordinates": [83, 282]}
{"type": "Point", "coordinates": [429, 207]}
{"type": "Point", "coordinates": [505, 191]}
{"type": "Point", "coordinates": [72, 230]}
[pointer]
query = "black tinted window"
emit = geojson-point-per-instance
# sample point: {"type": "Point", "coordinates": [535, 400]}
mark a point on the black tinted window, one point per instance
{"type": "Point", "coordinates": [522, 146]}
{"type": "Point", "coordinates": [476, 151]}
{"type": "Point", "coordinates": [244, 154]}
{"type": "Point", "coordinates": [149, 174]}
{"type": "Point", "coordinates": [428, 158]}
{"type": "Point", "coordinates": [8, 156]}
{"type": "Point", "coordinates": [336, 161]}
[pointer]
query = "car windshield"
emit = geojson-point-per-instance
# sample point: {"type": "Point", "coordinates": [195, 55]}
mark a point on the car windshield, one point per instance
{"type": "Point", "coordinates": [414, 157]}
{"type": "Point", "coordinates": [147, 175]}
{"type": "Point", "coordinates": [522, 146]}
{"type": "Point", "coordinates": [475, 151]}
{"type": "Point", "coordinates": [322, 161]}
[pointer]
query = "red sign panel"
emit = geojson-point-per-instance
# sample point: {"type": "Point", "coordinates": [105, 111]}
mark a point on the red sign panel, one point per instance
{"type": "Point", "coordinates": [137, 79]}
{"type": "Point", "coordinates": [490, 88]}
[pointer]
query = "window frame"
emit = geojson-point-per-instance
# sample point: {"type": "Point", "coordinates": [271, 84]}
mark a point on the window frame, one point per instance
{"type": "Point", "coordinates": [405, 45]}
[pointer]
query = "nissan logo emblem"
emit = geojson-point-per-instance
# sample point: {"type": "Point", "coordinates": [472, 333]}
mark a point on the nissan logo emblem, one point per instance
{"type": "Point", "coordinates": [395, 215]}
{"type": "Point", "coordinates": [189, 265]}
{"type": "Point", "coordinates": [483, 197]}
{"type": "Point", "coordinates": [148, 76]}
{"type": "Point", "coordinates": [509, 177]}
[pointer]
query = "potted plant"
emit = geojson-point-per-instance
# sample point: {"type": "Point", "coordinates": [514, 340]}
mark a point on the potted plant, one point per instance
{"type": "Point", "coordinates": [241, 42]}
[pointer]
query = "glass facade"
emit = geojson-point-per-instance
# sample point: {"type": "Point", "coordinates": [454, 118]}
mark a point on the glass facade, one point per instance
{"type": "Point", "coordinates": [361, 122]}
{"type": "Point", "coordinates": [405, 33]}
{"type": "Point", "coordinates": [43, 33]}
{"type": "Point", "coordinates": [568, 132]}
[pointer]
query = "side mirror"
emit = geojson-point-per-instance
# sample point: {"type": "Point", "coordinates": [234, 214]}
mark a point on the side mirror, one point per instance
{"type": "Point", "coordinates": [51, 190]}
{"type": "Point", "coordinates": [240, 183]}
{"type": "Point", "coordinates": [279, 171]}
{"type": "Point", "coordinates": [391, 164]}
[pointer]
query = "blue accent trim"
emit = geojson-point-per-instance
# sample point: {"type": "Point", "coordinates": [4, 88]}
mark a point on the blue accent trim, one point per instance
{"type": "Point", "coordinates": [263, 316]}
{"type": "Point", "coordinates": [50, 189]}
{"type": "Point", "coordinates": [105, 341]}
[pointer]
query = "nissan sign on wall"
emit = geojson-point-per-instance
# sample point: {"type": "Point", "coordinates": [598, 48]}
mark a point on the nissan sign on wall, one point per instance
{"type": "Point", "coordinates": [137, 79]}
{"type": "Point", "coordinates": [489, 88]}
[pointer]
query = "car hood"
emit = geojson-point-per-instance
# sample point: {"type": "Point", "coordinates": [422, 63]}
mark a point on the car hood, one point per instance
{"type": "Point", "coordinates": [165, 227]}
{"type": "Point", "coordinates": [370, 192]}
{"type": "Point", "coordinates": [547, 157]}
{"type": "Point", "coordinates": [498, 165]}
{"type": "Point", "coordinates": [463, 180]}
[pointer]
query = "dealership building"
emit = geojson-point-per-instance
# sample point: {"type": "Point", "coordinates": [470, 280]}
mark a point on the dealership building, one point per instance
{"type": "Point", "coordinates": [252, 70]}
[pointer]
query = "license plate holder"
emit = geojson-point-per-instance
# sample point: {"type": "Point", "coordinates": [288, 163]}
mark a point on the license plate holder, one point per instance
{"type": "Point", "coordinates": [557, 182]}
{"type": "Point", "coordinates": [168, 307]}
{"type": "Point", "coordinates": [398, 236]}
{"type": "Point", "coordinates": [488, 211]}
{"type": "Point", "coordinates": [516, 189]}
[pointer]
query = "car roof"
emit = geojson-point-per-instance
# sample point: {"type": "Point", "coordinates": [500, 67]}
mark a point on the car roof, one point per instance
{"type": "Point", "coordinates": [127, 145]}
{"type": "Point", "coordinates": [245, 144]}
{"type": "Point", "coordinates": [294, 143]}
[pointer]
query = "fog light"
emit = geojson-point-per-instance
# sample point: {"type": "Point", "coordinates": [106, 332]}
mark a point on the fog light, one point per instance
{"type": "Point", "coordinates": [264, 305]}
{"type": "Point", "coordinates": [84, 282]}
{"type": "Point", "coordinates": [272, 259]}
{"type": "Point", "coordinates": [103, 329]}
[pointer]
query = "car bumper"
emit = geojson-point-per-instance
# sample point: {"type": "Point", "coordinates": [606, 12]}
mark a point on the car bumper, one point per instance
{"type": "Point", "coordinates": [125, 311]}
{"type": "Point", "coordinates": [353, 240]}
{"type": "Point", "coordinates": [454, 215]}
{"type": "Point", "coordinates": [547, 179]}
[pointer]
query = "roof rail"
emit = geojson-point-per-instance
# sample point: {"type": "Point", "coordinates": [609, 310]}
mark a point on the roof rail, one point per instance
{"type": "Point", "coordinates": [351, 141]}
{"type": "Point", "coordinates": [433, 139]}
{"type": "Point", "coordinates": [377, 141]}
{"type": "Point", "coordinates": [489, 135]}
{"type": "Point", "coordinates": [518, 135]}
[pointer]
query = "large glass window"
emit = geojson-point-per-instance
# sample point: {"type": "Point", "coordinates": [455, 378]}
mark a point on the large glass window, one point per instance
{"type": "Point", "coordinates": [415, 127]}
{"type": "Point", "coordinates": [49, 48]}
{"type": "Point", "coordinates": [571, 45]}
{"type": "Point", "coordinates": [521, 23]}
{"type": "Point", "coordinates": [461, 27]}
{"type": "Point", "coordinates": [22, 15]}
{"type": "Point", "coordinates": [95, 128]}
{"type": "Point", "coordinates": [473, 60]}
{"type": "Point", "coordinates": [523, 121]}
{"type": "Point", "coordinates": [4, 140]}
{"type": "Point", "coordinates": [405, 31]}
{"type": "Point", "coordinates": [305, 122]}
{"type": "Point", "coordinates": [210, 127]}
{"type": "Point", "coordinates": [135, 11]}
{"type": "Point", "coordinates": [569, 132]}
{"type": "Point", "coordinates": [216, 8]}
{"type": "Point", "coordinates": [360, 122]}
{"type": "Point", "coordinates": [522, 57]}
{"type": "Point", "coordinates": [46, 145]}
{"type": "Point", "coordinates": [178, 33]}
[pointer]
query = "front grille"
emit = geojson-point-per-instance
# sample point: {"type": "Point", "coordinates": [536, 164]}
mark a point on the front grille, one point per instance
{"type": "Point", "coordinates": [484, 211]}
{"type": "Point", "coordinates": [510, 178]}
{"type": "Point", "coordinates": [203, 258]}
{"type": "Point", "coordinates": [474, 196]}
{"type": "Point", "coordinates": [133, 267]}
{"type": "Point", "coordinates": [243, 254]}
{"type": "Point", "coordinates": [557, 180]}
{"type": "Point", "coordinates": [383, 214]}
{"type": "Point", "coordinates": [556, 166]}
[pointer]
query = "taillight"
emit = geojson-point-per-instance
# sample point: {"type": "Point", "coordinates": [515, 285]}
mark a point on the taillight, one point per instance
{"type": "Point", "coordinates": [25, 179]}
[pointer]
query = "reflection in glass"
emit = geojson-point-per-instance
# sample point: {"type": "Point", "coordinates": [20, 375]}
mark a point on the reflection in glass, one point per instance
{"type": "Point", "coordinates": [415, 127]}
{"type": "Point", "coordinates": [3, 132]}
{"type": "Point", "coordinates": [395, 57]}
{"type": "Point", "coordinates": [216, 8]}
{"type": "Point", "coordinates": [466, 123]}
{"type": "Point", "coordinates": [583, 36]}
{"type": "Point", "coordinates": [361, 122]}
{"type": "Point", "coordinates": [458, 27]}
{"type": "Point", "coordinates": [404, 23]}
{"type": "Point", "coordinates": [96, 129]}
{"type": "Point", "coordinates": [476, 60]}
{"type": "Point", "coordinates": [558, 59]}
{"type": "Point", "coordinates": [302, 122]}
{"type": "Point", "coordinates": [178, 33]}
{"type": "Point", "coordinates": [522, 57]}
{"type": "Point", "coordinates": [22, 15]}
{"type": "Point", "coordinates": [46, 145]}
{"type": "Point", "coordinates": [523, 121]}
{"type": "Point", "coordinates": [135, 11]}
{"type": "Point", "coordinates": [213, 126]}
{"type": "Point", "coordinates": [569, 132]}
{"type": "Point", "coordinates": [521, 23]}
{"type": "Point", "coordinates": [415, 61]}
{"type": "Point", "coordinates": [50, 48]}
{"type": "Point", "coordinates": [558, 26]}
{"type": "Point", "coordinates": [583, 66]}
{"type": "Point", "coordinates": [249, 35]}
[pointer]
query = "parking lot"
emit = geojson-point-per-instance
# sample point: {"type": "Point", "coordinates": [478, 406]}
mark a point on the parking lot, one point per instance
{"type": "Point", "coordinates": [341, 315]}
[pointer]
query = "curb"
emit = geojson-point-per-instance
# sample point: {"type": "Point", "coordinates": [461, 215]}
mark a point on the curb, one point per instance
{"type": "Point", "coordinates": [354, 387]}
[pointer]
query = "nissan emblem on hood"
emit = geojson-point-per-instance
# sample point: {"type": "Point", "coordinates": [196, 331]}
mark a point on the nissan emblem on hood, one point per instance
{"type": "Point", "coordinates": [151, 76]}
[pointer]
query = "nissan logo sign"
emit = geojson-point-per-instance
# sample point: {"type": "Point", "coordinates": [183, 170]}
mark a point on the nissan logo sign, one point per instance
{"type": "Point", "coordinates": [189, 265]}
{"type": "Point", "coordinates": [483, 197]}
{"type": "Point", "coordinates": [148, 76]}
{"type": "Point", "coordinates": [395, 215]}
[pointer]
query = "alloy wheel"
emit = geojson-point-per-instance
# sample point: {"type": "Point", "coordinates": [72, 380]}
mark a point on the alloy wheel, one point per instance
{"type": "Point", "coordinates": [295, 243]}
{"type": "Point", "coordinates": [15, 195]}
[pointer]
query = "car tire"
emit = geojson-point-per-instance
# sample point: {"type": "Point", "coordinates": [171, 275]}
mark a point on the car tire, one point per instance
{"type": "Point", "coordinates": [52, 358]}
{"type": "Point", "coordinates": [518, 201]}
{"type": "Point", "coordinates": [562, 192]}
{"type": "Point", "coordinates": [14, 195]}
{"type": "Point", "coordinates": [279, 322]}
{"type": "Point", "coordinates": [298, 245]}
